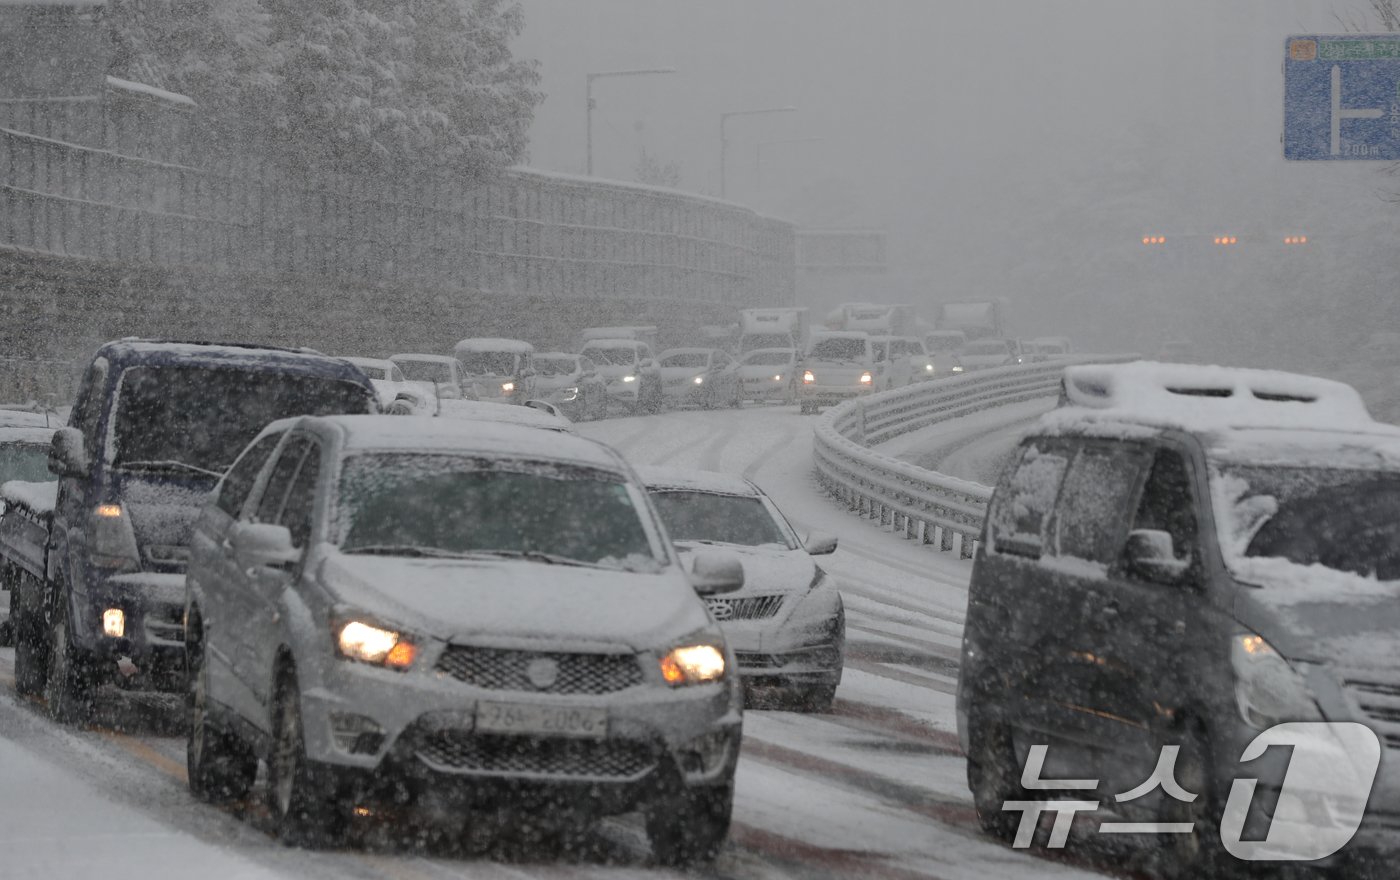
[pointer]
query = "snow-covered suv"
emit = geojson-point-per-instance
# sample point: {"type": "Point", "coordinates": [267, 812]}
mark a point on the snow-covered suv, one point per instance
{"type": "Point", "coordinates": [1184, 558]}
{"type": "Point", "coordinates": [434, 614]}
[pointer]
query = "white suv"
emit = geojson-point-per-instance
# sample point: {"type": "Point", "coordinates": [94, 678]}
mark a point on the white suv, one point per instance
{"type": "Point", "coordinates": [437, 614]}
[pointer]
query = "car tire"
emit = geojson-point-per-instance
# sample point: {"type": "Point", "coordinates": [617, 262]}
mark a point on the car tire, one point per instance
{"type": "Point", "coordinates": [68, 682]}
{"type": "Point", "coordinates": [220, 767]}
{"type": "Point", "coordinates": [304, 813]}
{"type": "Point", "coordinates": [31, 648]}
{"type": "Point", "coordinates": [994, 777]}
{"type": "Point", "coordinates": [689, 827]}
{"type": "Point", "coordinates": [1200, 853]}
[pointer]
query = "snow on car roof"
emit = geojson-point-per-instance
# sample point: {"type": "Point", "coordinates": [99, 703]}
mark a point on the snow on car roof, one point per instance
{"type": "Point", "coordinates": [27, 434]}
{"type": "Point", "coordinates": [696, 481]}
{"type": "Point", "coordinates": [377, 363]}
{"type": "Point", "coordinates": [21, 418]}
{"type": "Point", "coordinates": [425, 433]}
{"type": "Point", "coordinates": [614, 343]}
{"type": "Point", "coordinates": [1373, 448]}
{"type": "Point", "coordinates": [425, 358]}
{"type": "Point", "coordinates": [503, 413]}
{"type": "Point", "coordinates": [541, 355]}
{"type": "Point", "coordinates": [671, 351]}
{"type": "Point", "coordinates": [1204, 399]}
{"type": "Point", "coordinates": [839, 334]}
{"type": "Point", "coordinates": [485, 343]}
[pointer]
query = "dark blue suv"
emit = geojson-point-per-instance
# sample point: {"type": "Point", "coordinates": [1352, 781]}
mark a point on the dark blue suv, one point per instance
{"type": "Point", "coordinates": [154, 427]}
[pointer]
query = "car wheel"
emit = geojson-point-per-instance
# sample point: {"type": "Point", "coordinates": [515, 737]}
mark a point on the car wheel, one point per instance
{"type": "Point", "coordinates": [31, 647]}
{"type": "Point", "coordinates": [994, 777]}
{"type": "Point", "coordinates": [1199, 853]}
{"type": "Point", "coordinates": [303, 812]}
{"type": "Point", "coordinates": [689, 827]}
{"type": "Point", "coordinates": [68, 684]}
{"type": "Point", "coordinates": [220, 767]}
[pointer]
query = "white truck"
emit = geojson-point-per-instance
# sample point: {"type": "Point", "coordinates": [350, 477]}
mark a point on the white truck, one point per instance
{"type": "Point", "coordinates": [874, 318]}
{"type": "Point", "coordinates": [772, 328]}
{"type": "Point", "coordinates": [976, 320]}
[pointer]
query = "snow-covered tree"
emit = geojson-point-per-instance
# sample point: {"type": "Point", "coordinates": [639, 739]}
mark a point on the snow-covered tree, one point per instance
{"type": "Point", "coordinates": [651, 171]}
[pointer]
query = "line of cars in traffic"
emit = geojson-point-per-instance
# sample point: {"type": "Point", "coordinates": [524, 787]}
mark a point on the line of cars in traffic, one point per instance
{"type": "Point", "coordinates": [400, 614]}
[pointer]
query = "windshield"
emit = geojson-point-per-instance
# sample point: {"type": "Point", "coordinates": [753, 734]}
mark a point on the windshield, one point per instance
{"type": "Point", "coordinates": [25, 461]}
{"type": "Point", "coordinates": [768, 359]}
{"type": "Point", "coordinates": [695, 359]}
{"type": "Point", "coordinates": [202, 417]}
{"type": "Point", "coordinates": [1342, 519]}
{"type": "Point", "coordinates": [416, 504]}
{"type": "Point", "coordinates": [488, 363]}
{"type": "Point", "coordinates": [616, 357]}
{"type": "Point", "coordinates": [426, 371]}
{"type": "Point", "coordinates": [840, 348]}
{"type": "Point", "coordinates": [712, 518]}
{"type": "Point", "coordinates": [555, 366]}
{"type": "Point", "coordinates": [985, 348]}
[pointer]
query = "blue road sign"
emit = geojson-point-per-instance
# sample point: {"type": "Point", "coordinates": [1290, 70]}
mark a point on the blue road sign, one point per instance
{"type": "Point", "coordinates": [1341, 97]}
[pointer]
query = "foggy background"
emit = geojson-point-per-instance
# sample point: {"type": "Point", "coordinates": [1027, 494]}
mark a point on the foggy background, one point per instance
{"type": "Point", "coordinates": [1011, 148]}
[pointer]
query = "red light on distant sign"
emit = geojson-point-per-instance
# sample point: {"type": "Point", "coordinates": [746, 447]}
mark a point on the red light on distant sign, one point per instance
{"type": "Point", "coordinates": [1295, 239]}
{"type": "Point", "coordinates": [1226, 239]}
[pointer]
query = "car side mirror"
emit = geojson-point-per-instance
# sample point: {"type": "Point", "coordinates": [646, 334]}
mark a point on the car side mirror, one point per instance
{"type": "Point", "coordinates": [67, 454]}
{"type": "Point", "coordinates": [264, 545]}
{"type": "Point", "coordinates": [713, 573]}
{"type": "Point", "coordinates": [819, 544]}
{"type": "Point", "coordinates": [1151, 555]}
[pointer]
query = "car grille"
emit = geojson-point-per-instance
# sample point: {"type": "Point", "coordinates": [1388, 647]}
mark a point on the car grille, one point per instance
{"type": "Point", "coordinates": [507, 670]}
{"type": "Point", "coordinates": [749, 660]}
{"type": "Point", "coordinates": [165, 625]}
{"type": "Point", "coordinates": [745, 608]}
{"type": "Point", "coordinates": [1380, 701]}
{"type": "Point", "coordinates": [460, 751]}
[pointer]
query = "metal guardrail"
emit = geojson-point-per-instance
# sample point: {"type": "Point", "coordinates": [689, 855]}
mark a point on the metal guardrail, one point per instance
{"type": "Point", "coordinates": [924, 505]}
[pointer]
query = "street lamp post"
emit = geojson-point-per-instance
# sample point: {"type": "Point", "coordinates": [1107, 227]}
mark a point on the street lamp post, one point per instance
{"type": "Point", "coordinates": [724, 138]}
{"type": "Point", "coordinates": [758, 156]}
{"type": "Point", "coordinates": [588, 93]}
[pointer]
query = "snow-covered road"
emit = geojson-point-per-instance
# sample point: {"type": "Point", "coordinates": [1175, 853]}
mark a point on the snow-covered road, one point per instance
{"type": "Point", "coordinates": [873, 789]}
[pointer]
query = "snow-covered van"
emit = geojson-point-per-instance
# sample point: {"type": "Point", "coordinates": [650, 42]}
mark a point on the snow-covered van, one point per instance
{"type": "Point", "coordinates": [100, 590]}
{"type": "Point", "coordinates": [839, 365]}
{"type": "Point", "coordinates": [499, 369]}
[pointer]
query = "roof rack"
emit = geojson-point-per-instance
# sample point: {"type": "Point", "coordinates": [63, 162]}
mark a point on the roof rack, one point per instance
{"type": "Point", "coordinates": [1203, 396]}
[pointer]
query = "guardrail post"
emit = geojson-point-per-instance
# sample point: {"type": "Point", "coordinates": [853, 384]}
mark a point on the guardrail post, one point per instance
{"type": "Point", "coordinates": [945, 538]}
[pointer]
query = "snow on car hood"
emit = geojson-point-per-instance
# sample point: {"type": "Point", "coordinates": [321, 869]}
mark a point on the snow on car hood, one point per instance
{"type": "Point", "coordinates": [163, 507]}
{"type": "Point", "coordinates": [767, 570]}
{"type": "Point", "coordinates": [466, 600]}
{"type": "Point", "coordinates": [1322, 614]}
{"type": "Point", "coordinates": [550, 384]}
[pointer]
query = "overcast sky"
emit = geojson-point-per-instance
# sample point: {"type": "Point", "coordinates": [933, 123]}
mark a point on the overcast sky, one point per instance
{"type": "Point", "coordinates": [999, 142]}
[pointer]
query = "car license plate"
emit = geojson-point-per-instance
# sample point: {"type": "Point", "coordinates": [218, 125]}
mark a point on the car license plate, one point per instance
{"type": "Point", "coordinates": [518, 718]}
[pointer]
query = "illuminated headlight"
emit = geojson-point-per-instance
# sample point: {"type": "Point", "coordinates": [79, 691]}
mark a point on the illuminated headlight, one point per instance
{"type": "Point", "coordinates": [699, 380]}
{"type": "Point", "coordinates": [866, 378]}
{"type": "Point", "coordinates": [778, 378]}
{"type": "Point", "coordinates": [957, 369]}
{"type": "Point", "coordinates": [629, 378]}
{"type": "Point", "coordinates": [1267, 689]}
{"type": "Point", "coordinates": [371, 644]}
{"type": "Point", "coordinates": [114, 622]}
{"type": "Point", "coordinates": [928, 368]}
{"type": "Point", "coordinates": [507, 387]}
{"type": "Point", "coordinates": [693, 664]}
{"type": "Point", "coordinates": [808, 378]}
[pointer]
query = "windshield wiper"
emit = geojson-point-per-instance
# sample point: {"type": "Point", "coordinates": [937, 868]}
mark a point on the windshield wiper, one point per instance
{"type": "Point", "coordinates": [168, 465]}
{"type": "Point", "coordinates": [533, 556]}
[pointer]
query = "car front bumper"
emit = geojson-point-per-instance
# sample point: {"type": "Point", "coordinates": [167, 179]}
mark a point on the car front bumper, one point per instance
{"type": "Point", "coordinates": [381, 730]}
{"type": "Point", "coordinates": [153, 637]}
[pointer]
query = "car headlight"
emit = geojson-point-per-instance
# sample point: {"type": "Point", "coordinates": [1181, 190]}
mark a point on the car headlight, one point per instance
{"type": "Point", "coordinates": [778, 378]}
{"type": "Point", "coordinates": [629, 378]}
{"type": "Point", "coordinates": [866, 378]}
{"type": "Point", "coordinates": [571, 394]}
{"type": "Point", "coordinates": [1267, 689]}
{"type": "Point", "coordinates": [507, 387]}
{"type": "Point", "coordinates": [699, 380]}
{"type": "Point", "coordinates": [372, 644]}
{"type": "Point", "coordinates": [692, 664]}
{"type": "Point", "coordinates": [957, 369]}
{"type": "Point", "coordinates": [808, 378]}
{"type": "Point", "coordinates": [928, 368]}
